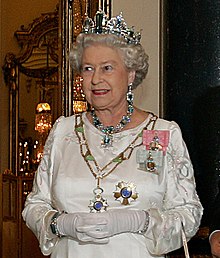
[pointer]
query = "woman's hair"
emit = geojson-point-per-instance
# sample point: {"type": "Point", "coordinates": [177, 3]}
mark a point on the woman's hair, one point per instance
{"type": "Point", "coordinates": [134, 56]}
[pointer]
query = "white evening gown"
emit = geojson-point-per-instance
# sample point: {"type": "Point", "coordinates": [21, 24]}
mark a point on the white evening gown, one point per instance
{"type": "Point", "coordinates": [64, 182]}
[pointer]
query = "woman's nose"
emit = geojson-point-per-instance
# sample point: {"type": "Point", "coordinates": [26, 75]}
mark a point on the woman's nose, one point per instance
{"type": "Point", "coordinates": [97, 76]}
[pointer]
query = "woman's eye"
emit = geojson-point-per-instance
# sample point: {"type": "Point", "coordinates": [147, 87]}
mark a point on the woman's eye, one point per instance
{"type": "Point", "coordinates": [87, 68]}
{"type": "Point", "coordinates": [108, 68]}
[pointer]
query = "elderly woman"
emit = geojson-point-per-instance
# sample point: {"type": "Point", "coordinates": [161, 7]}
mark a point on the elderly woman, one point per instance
{"type": "Point", "coordinates": [115, 181]}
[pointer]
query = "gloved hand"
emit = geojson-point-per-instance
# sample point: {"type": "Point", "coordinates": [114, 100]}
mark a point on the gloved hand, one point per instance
{"type": "Point", "coordinates": [107, 224]}
{"type": "Point", "coordinates": [67, 225]}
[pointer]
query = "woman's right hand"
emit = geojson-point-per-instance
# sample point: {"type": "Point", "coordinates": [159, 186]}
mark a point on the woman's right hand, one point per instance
{"type": "Point", "coordinates": [67, 225]}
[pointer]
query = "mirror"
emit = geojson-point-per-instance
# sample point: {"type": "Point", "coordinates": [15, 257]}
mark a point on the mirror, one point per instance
{"type": "Point", "coordinates": [32, 77]}
{"type": "Point", "coordinates": [38, 84]}
{"type": "Point", "coordinates": [40, 80]}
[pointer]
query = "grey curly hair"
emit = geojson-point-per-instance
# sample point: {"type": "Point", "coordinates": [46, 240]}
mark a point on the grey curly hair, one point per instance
{"type": "Point", "coordinates": [134, 56]}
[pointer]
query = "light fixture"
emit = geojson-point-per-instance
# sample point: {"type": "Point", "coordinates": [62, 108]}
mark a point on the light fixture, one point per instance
{"type": "Point", "coordinates": [43, 123]}
{"type": "Point", "coordinates": [43, 117]}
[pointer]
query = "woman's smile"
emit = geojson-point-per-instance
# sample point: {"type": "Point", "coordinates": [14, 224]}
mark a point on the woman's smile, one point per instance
{"type": "Point", "coordinates": [100, 92]}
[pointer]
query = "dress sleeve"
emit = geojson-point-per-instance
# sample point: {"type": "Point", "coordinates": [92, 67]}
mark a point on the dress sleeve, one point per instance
{"type": "Point", "coordinates": [38, 209]}
{"type": "Point", "coordinates": [181, 206]}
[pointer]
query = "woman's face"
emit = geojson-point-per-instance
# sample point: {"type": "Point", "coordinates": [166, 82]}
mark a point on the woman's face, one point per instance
{"type": "Point", "coordinates": [105, 77]}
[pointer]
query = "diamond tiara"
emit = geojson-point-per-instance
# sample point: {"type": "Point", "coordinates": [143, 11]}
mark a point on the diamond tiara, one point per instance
{"type": "Point", "coordinates": [115, 25]}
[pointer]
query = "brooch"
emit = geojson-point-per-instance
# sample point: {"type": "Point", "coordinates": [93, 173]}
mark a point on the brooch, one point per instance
{"type": "Point", "coordinates": [125, 192]}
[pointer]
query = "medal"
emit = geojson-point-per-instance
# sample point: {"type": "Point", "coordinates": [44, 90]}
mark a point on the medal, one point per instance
{"type": "Point", "coordinates": [125, 192]}
{"type": "Point", "coordinates": [155, 143]}
{"type": "Point", "coordinates": [98, 204]}
{"type": "Point", "coordinates": [150, 164]}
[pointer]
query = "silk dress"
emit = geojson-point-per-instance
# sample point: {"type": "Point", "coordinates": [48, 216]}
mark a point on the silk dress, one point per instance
{"type": "Point", "coordinates": [64, 182]}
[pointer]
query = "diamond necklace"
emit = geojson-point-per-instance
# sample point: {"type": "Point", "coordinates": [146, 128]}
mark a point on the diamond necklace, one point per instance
{"type": "Point", "coordinates": [110, 130]}
{"type": "Point", "coordinates": [99, 204]}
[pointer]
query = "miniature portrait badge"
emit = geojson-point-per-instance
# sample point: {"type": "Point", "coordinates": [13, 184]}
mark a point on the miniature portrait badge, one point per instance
{"type": "Point", "coordinates": [151, 155]}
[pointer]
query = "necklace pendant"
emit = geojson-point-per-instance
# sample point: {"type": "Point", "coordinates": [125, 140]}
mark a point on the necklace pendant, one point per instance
{"type": "Point", "coordinates": [107, 141]}
{"type": "Point", "coordinates": [98, 204]}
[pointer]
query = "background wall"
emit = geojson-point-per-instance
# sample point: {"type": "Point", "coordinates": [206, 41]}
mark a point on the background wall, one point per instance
{"type": "Point", "coordinates": [144, 16]}
{"type": "Point", "coordinates": [193, 89]}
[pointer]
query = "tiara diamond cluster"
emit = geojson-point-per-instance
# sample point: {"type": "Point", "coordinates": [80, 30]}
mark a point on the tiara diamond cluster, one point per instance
{"type": "Point", "coordinates": [115, 25]}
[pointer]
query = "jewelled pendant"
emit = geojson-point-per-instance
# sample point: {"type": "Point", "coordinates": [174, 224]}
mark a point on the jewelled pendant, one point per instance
{"type": "Point", "coordinates": [125, 192]}
{"type": "Point", "coordinates": [98, 204]}
{"type": "Point", "coordinates": [107, 141]}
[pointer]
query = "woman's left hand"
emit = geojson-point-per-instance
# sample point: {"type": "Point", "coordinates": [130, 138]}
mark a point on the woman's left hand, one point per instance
{"type": "Point", "coordinates": [107, 224]}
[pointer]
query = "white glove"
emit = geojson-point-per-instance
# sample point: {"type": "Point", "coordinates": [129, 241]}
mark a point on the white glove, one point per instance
{"type": "Point", "coordinates": [107, 224]}
{"type": "Point", "coordinates": [67, 225]}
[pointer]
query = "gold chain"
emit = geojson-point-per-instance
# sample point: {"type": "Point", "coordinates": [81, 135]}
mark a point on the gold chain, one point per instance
{"type": "Point", "coordinates": [87, 155]}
